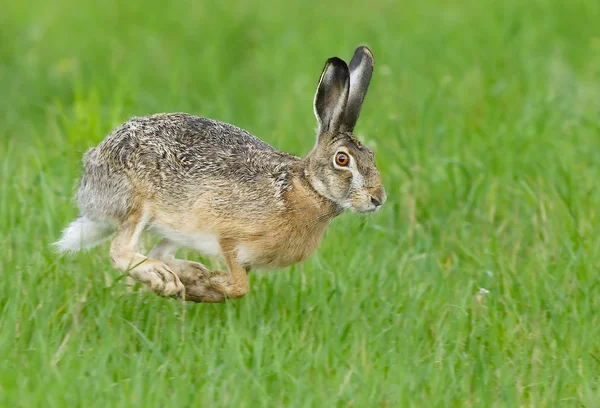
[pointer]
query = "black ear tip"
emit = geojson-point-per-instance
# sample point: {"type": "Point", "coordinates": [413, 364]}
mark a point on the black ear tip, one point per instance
{"type": "Point", "coordinates": [363, 51]}
{"type": "Point", "coordinates": [337, 63]}
{"type": "Point", "coordinates": [337, 67]}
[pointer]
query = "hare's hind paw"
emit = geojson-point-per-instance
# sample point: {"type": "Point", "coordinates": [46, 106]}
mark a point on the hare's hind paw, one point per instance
{"type": "Point", "coordinates": [159, 278]}
{"type": "Point", "coordinates": [170, 284]}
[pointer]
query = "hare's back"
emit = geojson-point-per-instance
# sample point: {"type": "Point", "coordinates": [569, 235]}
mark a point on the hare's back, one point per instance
{"type": "Point", "coordinates": [175, 152]}
{"type": "Point", "coordinates": [179, 141]}
{"type": "Point", "coordinates": [182, 133]}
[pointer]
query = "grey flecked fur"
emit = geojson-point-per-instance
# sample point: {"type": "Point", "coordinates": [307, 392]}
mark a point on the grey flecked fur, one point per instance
{"type": "Point", "coordinates": [175, 156]}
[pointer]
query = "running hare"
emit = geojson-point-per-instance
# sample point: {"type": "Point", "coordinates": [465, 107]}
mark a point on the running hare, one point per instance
{"type": "Point", "coordinates": [215, 188]}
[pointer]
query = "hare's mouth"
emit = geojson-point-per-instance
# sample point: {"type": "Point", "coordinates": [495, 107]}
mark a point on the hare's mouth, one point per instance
{"type": "Point", "coordinates": [366, 210]}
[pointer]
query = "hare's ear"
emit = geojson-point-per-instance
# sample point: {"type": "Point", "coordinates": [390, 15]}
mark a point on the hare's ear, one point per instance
{"type": "Point", "coordinates": [361, 70]}
{"type": "Point", "coordinates": [331, 96]}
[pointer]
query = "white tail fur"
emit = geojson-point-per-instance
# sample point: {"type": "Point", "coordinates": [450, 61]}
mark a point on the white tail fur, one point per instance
{"type": "Point", "coordinates": [84, 233]}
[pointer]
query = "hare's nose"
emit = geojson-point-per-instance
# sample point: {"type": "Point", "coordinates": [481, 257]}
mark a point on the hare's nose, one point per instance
{"type": "Point", "coordinates": [378, 197]}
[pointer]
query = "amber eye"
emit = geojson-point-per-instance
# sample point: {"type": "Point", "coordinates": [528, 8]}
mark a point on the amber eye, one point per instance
{"type": "Point", "coordinates": [342, 159]}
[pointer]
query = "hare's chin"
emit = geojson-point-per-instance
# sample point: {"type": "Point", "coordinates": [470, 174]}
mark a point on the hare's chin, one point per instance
{"type": "Point", "coordinates": [367, 210]}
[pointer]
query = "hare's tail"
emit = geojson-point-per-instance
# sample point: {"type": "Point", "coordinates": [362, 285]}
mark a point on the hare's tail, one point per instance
{"type": "Point", "coordinates": [84, 233]}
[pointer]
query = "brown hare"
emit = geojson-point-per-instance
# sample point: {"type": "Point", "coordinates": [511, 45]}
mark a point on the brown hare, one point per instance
{"type": "Point", "coordinates": [212, 187]}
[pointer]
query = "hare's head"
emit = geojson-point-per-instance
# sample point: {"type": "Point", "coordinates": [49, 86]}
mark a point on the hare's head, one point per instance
{"type": "Point", "coordinates": [339, 167]}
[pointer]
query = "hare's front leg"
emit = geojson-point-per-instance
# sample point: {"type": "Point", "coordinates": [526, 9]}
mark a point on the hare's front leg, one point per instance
{"type": "Point", "coordinates": [202, 285]}
{"type": "Point", "coordinates": [237, 284]}
{"type": "Point", "coordinates": [150, 271]}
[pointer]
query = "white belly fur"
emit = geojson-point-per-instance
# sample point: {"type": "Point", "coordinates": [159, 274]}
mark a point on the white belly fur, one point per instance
{"type": "Point", "coordinates": [245, 255]}
{"type": "Point", "coordinates": [206, 243]}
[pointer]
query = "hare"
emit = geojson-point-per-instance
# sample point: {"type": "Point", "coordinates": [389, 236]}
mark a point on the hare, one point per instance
{"type": "Point", "coordinates": [215, 188]}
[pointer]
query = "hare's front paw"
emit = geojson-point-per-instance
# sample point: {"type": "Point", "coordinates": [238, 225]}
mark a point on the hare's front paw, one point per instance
{"type": "Point", "coordinates": [205, 286]}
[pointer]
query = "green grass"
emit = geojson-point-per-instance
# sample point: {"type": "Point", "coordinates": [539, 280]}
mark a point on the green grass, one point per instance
{"type": "Point", "coordinates": [485, 119]}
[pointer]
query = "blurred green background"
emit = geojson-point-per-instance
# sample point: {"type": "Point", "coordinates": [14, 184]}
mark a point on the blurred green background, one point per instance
{"type": "Point", "coordinates": [485, 119]}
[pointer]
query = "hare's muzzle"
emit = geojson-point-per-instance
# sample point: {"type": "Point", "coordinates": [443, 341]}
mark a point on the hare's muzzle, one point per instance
{"type": "Point", "coordinates": [378, 197]}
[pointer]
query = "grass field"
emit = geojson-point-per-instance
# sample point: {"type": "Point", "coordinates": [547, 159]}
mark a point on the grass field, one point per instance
{"type": "Point", "coordinates": [485, 119]}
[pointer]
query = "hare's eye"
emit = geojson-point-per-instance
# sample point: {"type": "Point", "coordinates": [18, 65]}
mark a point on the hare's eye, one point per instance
{"type": "Point", "coordinates": [342, 159]}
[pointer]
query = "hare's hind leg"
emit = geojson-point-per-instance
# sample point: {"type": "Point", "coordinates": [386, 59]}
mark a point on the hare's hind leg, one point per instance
{"type": "Point", "coordinates": [125, 257]}
{"type": "Point", "coordinates": [199, 282]}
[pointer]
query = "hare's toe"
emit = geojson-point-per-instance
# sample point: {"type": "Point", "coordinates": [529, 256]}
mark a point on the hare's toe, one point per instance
{"type": "Point", "coordinates": [159, 278]}
{"type": "Point", "coordinates": [170, 284]}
